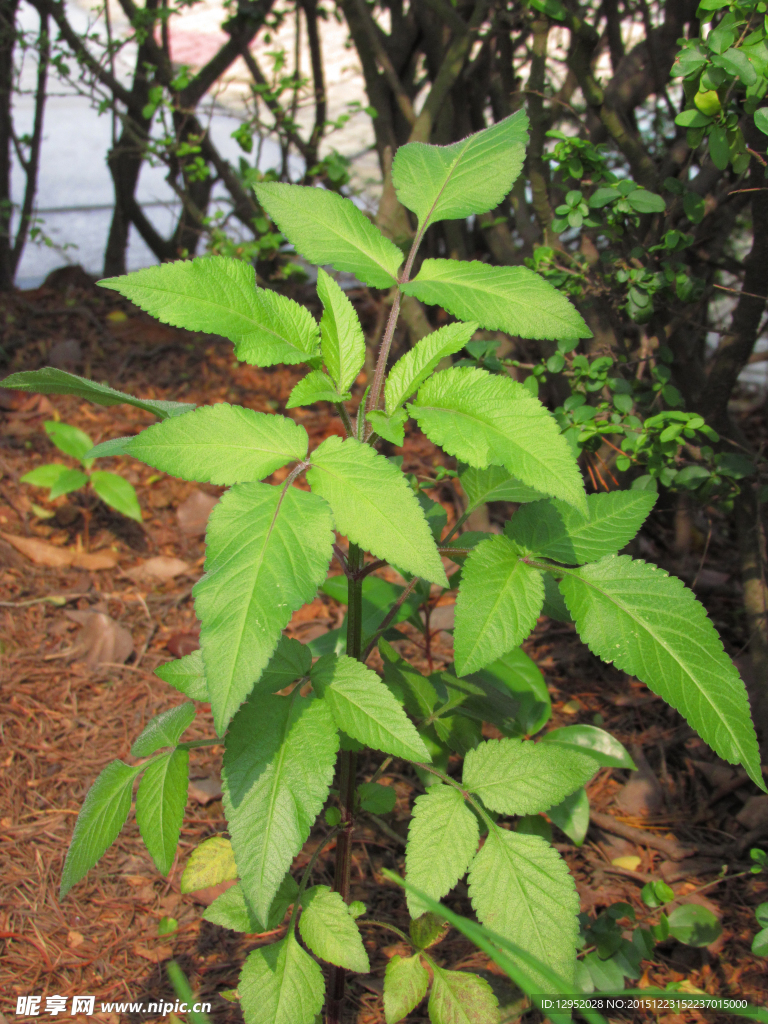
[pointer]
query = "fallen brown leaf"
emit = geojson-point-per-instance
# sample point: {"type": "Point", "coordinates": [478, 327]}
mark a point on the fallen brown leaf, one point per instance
{"type": "Point", "coordinates": [159, 569]}
{"type": "Point", "coordinates": [101, 639]}
{"type": "Point", "coordinates": [192, 514]}
{"type": "Point", "coordinates": [75, 939]}
{"type": "Point", "coordinates": [53, 557]}
{"type": "Point", "coordinates": [205, 791]}
{"type": "Point", "coordinates": [155, 954]}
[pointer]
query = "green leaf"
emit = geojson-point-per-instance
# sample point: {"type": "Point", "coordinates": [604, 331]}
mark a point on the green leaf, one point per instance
{"type": "Point", "coordinates": [434, 513]}
{"type": "Point", "coordinates": [519, 676]}
{"type": "Point", "coordinates": [375, 798]}
{"type": "Point", "coordinates": [759, 944]}
{"type": "Point", "coordinates": [115, 446]}
{"type": "Point", "coordinates": [643, 201]}
{"type": "Point", "coordinates": [391, 428]}
{"type": "Point", "coordinates": [378, 597]}
{"type": "Point", "coordinates": [737, 63]}
{"type": "Point", "coordinates": [555, 530]}
{"type": "Point", "coordinates": [278, 765]}
{"type": "Point", "coordinates": [599, 744]}
{"type": "Point", "coordinates": [342, 342]}
{"type": "Point", "coordinates": [406, 981]}
{"type": "Point", "coordinates": [268, 551]}
{"type": "Point", "coordinates": [218, 295]}
{"type": "Point", "coordinates": [290, 662]}
{"type": "Point", "coordinates": [719, 150]}
{"type": "Point", "coordinates": [499, 601]}
{"type": "Point", "coordinates": [761, 122]}
{"type": "Point", "coordinates": [44, 476]}
{"type": "Point", "coordinates": [50, 381]}
{"type": "Point", "coordinates": [602, 196]}
{"type": "Point", "coordinates": [410, 687]}
{"type": "Point", "coordinates": [652, 627]}
{"type": "Point", "coordinates": [521, 777]}
{"type": "Point", "coordinates": [315, 387]}
{"type": "Point", "coordinates": [511, 299]}
{"type": "Point", "coordinates": [606, 975]}
{"type": "Point", "coordinates": [210, 863]}
{"type": "Point", "coordinates": [554, 605]}
{"type": "Point", "coordinates": [471, 176]}
{"type": "Point", "coordinates": [364, 708]}
{"type": "Point", "coordinates": [73, 480]}
{"type": "Point", "coordinates": [494, 484]}
{"type": "Point", "coordinates": [68, 439]}
{"type": "Point", "coordinates": [521, 888]}
{"type": "Point", "coordinates": [694, 925]}
{"type": "Point", "coordinates": [572, 816]}
{"type": "Point", "coordinates": [458, 997]}
{"type": "Point", "coordinates": [164, 730]}
{"type": "Point", "coordinates": [374, 506]}
{"type": "Point", "coordinates": [116, 492]}
{"type": "Point", "coordinates": [327, 927]}
{"type": "Point", "coordinates": [411, 370]}
{"type": "Point", "coordinates": [221, 444]}
{"type": "Point", "coordinates": [485, 419]}
{"type": "Point", "coordinates": [98, 824]}
{"type": "Point", "coordinates": [692, 118]}
{"type": "Point", "coordinates": [281, 984]}
{"type": "Point", "coordinates": [160, 803]}
{"type": "Point", "coordinates": [187, 674]}
{"type": "Point", "coordinates": [442, 840]}
{"type": "Point", "coordinates": [325, 228]}
{"type": "Point", "coordinates": [231, 909]}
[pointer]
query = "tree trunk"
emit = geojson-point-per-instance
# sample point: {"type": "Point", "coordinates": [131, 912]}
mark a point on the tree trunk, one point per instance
{"type": "Point", "coordinates": [8, 10]}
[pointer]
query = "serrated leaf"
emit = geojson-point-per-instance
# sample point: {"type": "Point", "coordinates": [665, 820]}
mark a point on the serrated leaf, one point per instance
{"type": "Point", "coordinates": [406, 981]}
{"type": "Point", "coordinates": [649, 625]}
{"type": "Point", "coordinates": [391, 428]}
{"type": "Point", "coordinates": [221, 444]}
{"type": "Point", "coordinates": [68, 439]}
{"type": "Point", "coordinates": [458, 997]}
{"type": "Point", "coordinates": [210, 863]}
{"type": "Point", "coordinates": [443, 182]}
{"type": "Point", "coordinates": [98, 824]}
{"type": "Point", "coordinates": [232, 910]}
{"type": "Point", "coordinates": [50, 381]}
{"type": "Point", "coordinates": [115, 446]}
{"type": "Point", "coordinates": [410, 687]}
{"type": "Point", "coordinates": [556, 530]}
{"type": "Point", "coordinates": [514, 776]}
{"type": "Point", "coordinates": [486, 419]}
{"type": "Point", "coordinates": [521, 888]}
{"type": "Point", "coordinates": [511, 299]}
{"type": "Point", "coordinates": [363, 707]}
{"type": "Point", "coordinates": [187, 675]}
{"type": "Point", "coordinates": [268, 551]}
{"type": "Point", "coordinates": [281, 984]}
{"type": "Point", "coordinates": [342, 341]}
{"type": "Point", "coordinates": [278, 765]}
{"type": "Point", "coordinates": [494, 484]}
{"type": "Point", "coordinates": [442, 840]}
{"type": "Point", "coordinates": [411, 370]}
{"type": "Point", "coordinates": [374, 506]}
{"type": "Point", "coordinates": [290, 661]}
{"type": "Point", "coordinates": [164, 730]}
{"type": "Point", "coordinates": [325, 228]}
{"type": "Point", "coordinates": [315, 387]}
{"type": "Point", "coordinates": [518, 675]}
{"type": "Point", "coordinates": [330, 931]}
{"type": "Point", "coordinates": [499, 601]}
{"type": "Point", "coordinates": [597, 743]}
{"type": "Point", "coordinates": [160, 803]}
{"type": "Point", "coordinates": [116, 492]}
{"type": "Point", "coordinates": [218, 295]}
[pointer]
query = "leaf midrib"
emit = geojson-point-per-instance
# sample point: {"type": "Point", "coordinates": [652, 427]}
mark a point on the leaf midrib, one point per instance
{"type": "Point", "coordinates": [276, 785]}
{"type": "Point", "coordinates": [492, 612]}
{"type": "Point", "coordinates": [642, 623]}
{"type": "Point", "coordinates": [331, 228]}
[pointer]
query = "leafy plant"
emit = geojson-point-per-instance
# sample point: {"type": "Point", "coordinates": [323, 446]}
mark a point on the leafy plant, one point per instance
{"type": "Point", "coordinates": [268, 551]}
{"type": "Point", "coordinates": [112, 488]}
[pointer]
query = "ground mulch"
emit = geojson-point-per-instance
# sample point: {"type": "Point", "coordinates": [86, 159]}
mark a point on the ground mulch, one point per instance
{"type": "Point", "coordinates": [64, 717]}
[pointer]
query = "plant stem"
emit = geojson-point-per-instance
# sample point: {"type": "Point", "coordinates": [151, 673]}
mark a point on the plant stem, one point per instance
{"type": "Point", "coordinates": [456, 527]}
{"type": "Point", "coordinates": [342, 411]}
{"type": "Point", "coordinates": [388, 618]}
{"type": "Point", "coordinates": [347, 774]}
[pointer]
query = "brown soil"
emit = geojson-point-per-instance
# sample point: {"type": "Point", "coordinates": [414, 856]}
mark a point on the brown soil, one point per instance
{"type": "Point", "coordinates": [63, 721]}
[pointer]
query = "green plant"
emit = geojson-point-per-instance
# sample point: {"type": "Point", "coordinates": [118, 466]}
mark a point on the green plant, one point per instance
{"type": "Point", "coordinates": [59, 479]}
{"type": "Point", "coordinates": [269, 548]}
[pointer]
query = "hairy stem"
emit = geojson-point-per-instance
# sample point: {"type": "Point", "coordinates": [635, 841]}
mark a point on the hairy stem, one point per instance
{"type": "Point", "coordinates": [347, 774]}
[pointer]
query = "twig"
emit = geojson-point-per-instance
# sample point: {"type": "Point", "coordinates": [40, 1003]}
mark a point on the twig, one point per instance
{"type": "Point", "coordinates": [671, 848]}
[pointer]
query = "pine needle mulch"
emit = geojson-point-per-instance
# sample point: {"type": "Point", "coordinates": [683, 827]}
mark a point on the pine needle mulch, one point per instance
{"type": "Point", "coordinates": [64, 719]}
